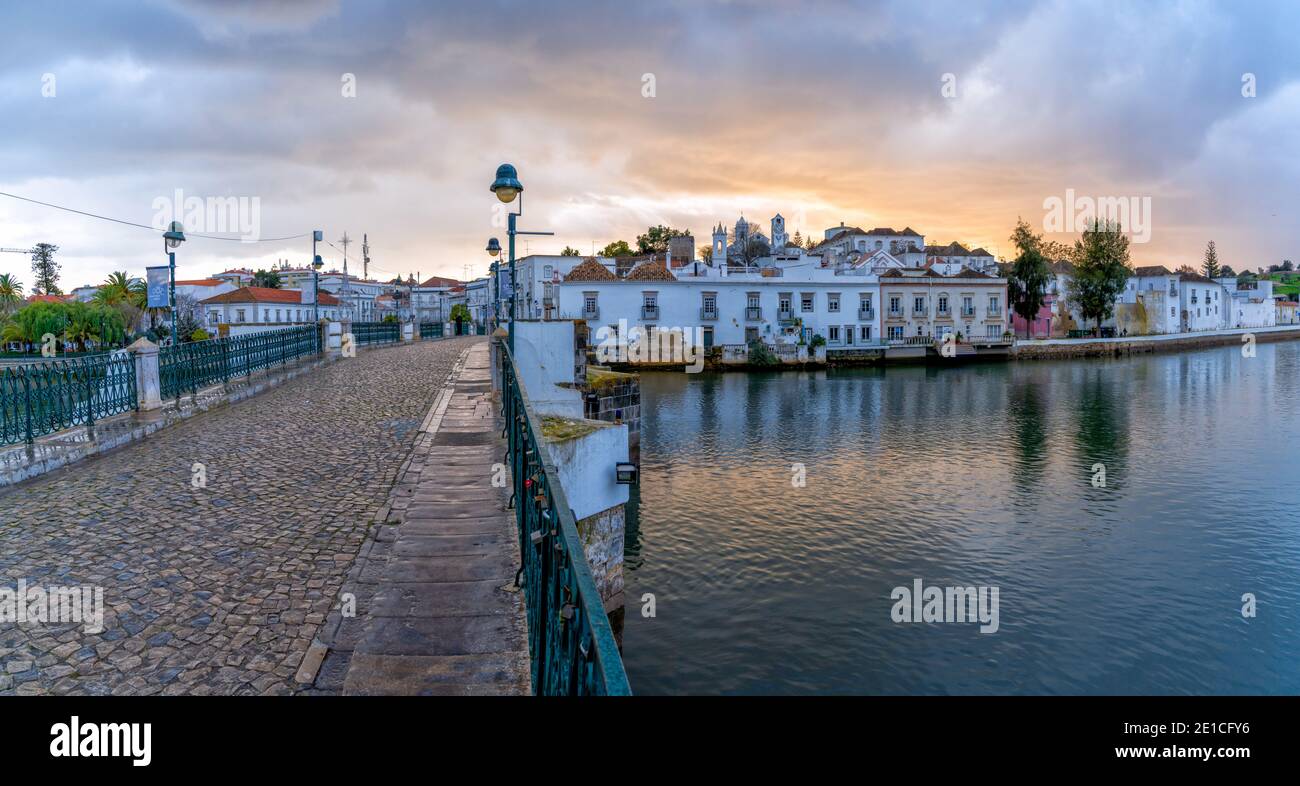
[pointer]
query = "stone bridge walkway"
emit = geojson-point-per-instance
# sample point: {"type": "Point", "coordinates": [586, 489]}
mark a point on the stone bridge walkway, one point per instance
{"type": "Point", "coordinates": [219, 589]}
{"type": "Point", "coordinates": [438, 612]}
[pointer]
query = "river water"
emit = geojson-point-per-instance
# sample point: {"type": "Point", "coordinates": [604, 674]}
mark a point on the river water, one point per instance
{"type": "Point", "coordinates": [975, 476]}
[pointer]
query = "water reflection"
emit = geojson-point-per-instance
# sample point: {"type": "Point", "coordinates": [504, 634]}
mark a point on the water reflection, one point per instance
{"type": "Point", "coordinates": [973, 475]}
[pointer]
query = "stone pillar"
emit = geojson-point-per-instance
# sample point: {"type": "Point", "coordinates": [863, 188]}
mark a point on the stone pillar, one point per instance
{"type": "Point", "coordinates": [408, 332]}
{"type": "Point", "coordinates": [333, 340]}
{"type": "Point", "coordinates": [148, 389]}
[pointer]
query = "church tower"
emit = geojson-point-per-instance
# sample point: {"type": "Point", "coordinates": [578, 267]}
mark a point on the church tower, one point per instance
{"type": "Point", "coordinates": [719, 245]}
{"type": "Point", "coordinates": [778, 232]}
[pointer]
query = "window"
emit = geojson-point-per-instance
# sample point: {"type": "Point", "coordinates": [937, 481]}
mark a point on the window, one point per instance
{"type": "Point", "coordinates": [993, 331]}
{"type": "Point", "coordinates": [277, 315]}
{"type": "Point", "coordinates": [833, 302]}
{"type": "Point", "coordinates": [806, 302]}
{"type": "Point", "coordinates": [895, 332]}
{"type": "Point", "coordinates": [918, 305]}
{"type": "Point", "coordinates": [967, 306]}
{"type": "Point", "coordinates": [783, 303]}
{"type": "Point", "coordinates": [752, 299]}
{"type": "Point", "coordinates": [864, 333]}
{"type": "Point", "coordinates": [833, 334]}
{"type": "Point", "coordinates": [266, 315]}
{"type": "Point", "coordinates": [848, 334]}
{"type": "Point", "coordinates": [710, 303]}
{"type": "Point", "coordinates": [239, 315]}
{"type": "Point", "coordinates": [943, 304]}
{"type": "Point", "coordinates": [994, 307]}
{"type": "Point", "coordinates": [589, 303]}
{"type": "Point", "coordinates": [214, 317]}
{"type": "Point", "coordinates": [895, 304]}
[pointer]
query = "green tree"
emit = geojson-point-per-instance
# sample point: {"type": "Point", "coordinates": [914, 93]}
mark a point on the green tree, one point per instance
{"type": "Point", "coordinates": [1211, 266]}
{"type": "Point", "coordinates": [706, 254]}
{"type": "Point", "coordinates": [460, 313]}
{"type": "Point", "coordinates": [619, 248]}
{"type": "Point", "coordinates": [269, 279]}
{"type": "Point", "coordinates": [1029, 275]}
{"type": "Point", "coordinates": [1101, 270]}
{"type": "Point", "coordinates": [655, 240]}
{"type": "Point", "coordinates": [1227, 272]}
{"type": "Point", "coordinates": [125, 294]}
{"type": "Point", "coordinates": [11, 294]}
{"type": "Point", "coordinates": [569, 251]}
{"type": "Point", "coordinates": [31, 322]}
{"type": "Point", "coordinates": [45, 270]}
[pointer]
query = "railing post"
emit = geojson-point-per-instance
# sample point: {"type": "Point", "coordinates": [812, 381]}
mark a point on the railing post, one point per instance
{"type": "Point", "coordinates": [90, 392]}
{"type": "Point", "coordinates": [27, 398]}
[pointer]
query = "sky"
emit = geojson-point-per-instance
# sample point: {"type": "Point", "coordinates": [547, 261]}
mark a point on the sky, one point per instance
{"type": "Point", "coordinates": [388, 119]}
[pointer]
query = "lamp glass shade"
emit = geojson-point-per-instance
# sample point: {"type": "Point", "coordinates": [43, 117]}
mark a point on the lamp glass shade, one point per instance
{"type": "Point", "coordinates": [506, 185]}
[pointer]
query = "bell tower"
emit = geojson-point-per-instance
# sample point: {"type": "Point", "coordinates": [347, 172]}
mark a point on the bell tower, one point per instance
{"type": "Point", "coordinates": [778, 232]}
{"type": "Point", "coordinates": [719, 245]}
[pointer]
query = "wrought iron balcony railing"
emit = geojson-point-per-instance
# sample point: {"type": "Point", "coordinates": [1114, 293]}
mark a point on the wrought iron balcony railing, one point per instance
{"type": "Point", "coordinates": [649, 312]}
{"type": "Point", "coordinates": [708, 313]}
{"type": "Point", "coordinates": [571, 643]}
{"type": "Point", "coordinates": [866, 313]}
{"type": "Point", "coordinates": [968, 312]}
{"type": "Point", "coordinates": [753, 314]}
{"type": "Point", "coordinates": [591, 312]}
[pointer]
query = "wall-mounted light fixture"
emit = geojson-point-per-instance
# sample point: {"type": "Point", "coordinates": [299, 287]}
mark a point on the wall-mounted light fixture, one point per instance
{"type": "Point", "coordinates": [625, 472]}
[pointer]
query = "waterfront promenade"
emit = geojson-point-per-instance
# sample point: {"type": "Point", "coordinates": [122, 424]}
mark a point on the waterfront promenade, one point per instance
{"type": "Point", "coordinates": [223, 588]}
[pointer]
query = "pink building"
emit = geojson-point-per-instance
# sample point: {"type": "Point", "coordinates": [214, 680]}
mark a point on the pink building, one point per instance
{"type": "Point", "coordinates": [1040, 326]}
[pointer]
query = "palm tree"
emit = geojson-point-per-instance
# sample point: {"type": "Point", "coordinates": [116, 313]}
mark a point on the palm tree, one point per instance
{"type": "Point", "coordinates": [11, 293]}
{"type": "Point", "coordinates": [127, 294]}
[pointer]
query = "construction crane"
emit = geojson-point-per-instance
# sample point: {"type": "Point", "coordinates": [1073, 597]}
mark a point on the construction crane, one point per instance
{"type": "Point", "coordinates": [18, 250]}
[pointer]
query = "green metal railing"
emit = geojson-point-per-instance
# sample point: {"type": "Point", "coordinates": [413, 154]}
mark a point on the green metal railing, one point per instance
{"type": "Point", "coordinates": [198, 364]}
{"type": "Point", "coordinates": [376, 332]}
{"type": "Point", "coordinates": [569, 636]}
{"type": "Point", "coordinates": [430, 330]}
{"type": "Point", "coordinates": [41, 398]}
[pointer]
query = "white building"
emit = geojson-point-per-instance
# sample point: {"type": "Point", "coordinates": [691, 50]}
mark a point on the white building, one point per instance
{"type": "Point", "coordinates": [778, 305]}
{"type": "Point", "coordinates": [954, 256]}
{"type": "Point", "coordinates": [263, 306]}
{"type": "Point", "coordinates": [538, 277]}
{"type": "Point", "coordinates": [431, 299]}
{"type": "Point", "coordinates": [357, 295]}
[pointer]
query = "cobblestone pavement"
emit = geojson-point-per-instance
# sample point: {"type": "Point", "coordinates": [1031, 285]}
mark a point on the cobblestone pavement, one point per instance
{"type": "Point", "coordinates": [221, 589]}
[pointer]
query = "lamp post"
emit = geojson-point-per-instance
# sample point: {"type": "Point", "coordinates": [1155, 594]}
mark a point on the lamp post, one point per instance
{"type": "Point", "coordinates": [316, 265]}
{"type": "Point", "coordinates": [507, 186]}
{"type": "Point", "coordinates": [173, 237]}
{"type": "Point", "coordinates": [494, 250]}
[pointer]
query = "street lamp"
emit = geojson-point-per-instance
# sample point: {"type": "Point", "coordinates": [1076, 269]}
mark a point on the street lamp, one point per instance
{"type": "Point", "coordinates": [316, 265]}
{"type": "Point", "coordinates": [173, 237]}
{"type": "Point", "coordinates": [494, 250]}
{"type": "Point", "coordinates": [507, 186]}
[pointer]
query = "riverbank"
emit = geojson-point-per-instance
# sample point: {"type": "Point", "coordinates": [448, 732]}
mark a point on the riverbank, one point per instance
{"type": "Point", "coordinates": [1059, 348]}
{"type": "Point", "coordinates": [1031, 349]}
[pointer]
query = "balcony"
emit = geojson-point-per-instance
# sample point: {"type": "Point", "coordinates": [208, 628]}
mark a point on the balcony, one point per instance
{"type": "Point", "coordinates": [943, 313]}
{"type": "Point", "coordinates": [968, 312]}
{"type": "Point", "coordinates": [995, 311]}
{"type": "Point", "coordinates": [708, 313]}
{"type": "Point", "coordinates": [591, 312]}
{"type": "Point", "coordinates": [784, 315]}
{"type": "Point", "coordinates": [866, 313]}
{"type": "Point", "coordinates": [895, 313]}
{"type": "Point", "coordinates": [920, 312]}
{"type": "Point", "coordinates": [649, 312]}
{"type": "Point", "coordinates": [753, 314]}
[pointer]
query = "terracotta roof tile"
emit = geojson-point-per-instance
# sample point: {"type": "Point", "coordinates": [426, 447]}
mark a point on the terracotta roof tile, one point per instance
{"type": "Point", "coordinates": [590, 270]}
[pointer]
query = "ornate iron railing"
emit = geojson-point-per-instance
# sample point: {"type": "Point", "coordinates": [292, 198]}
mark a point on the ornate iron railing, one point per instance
{"type": "Point", "coordinates": [198, 364]}
{"type": "Point", "coordinates": [376, 332]}
{"type": "Point", "coordinates": [41, 398]}
{"type": "Point", "coordinates": [569, 636]}
{"type": "Point", "coordinates": [430, 330]}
